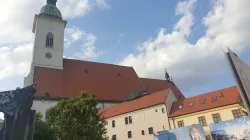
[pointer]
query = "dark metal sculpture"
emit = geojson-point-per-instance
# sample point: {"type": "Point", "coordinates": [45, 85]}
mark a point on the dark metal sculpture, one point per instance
{"type": "Point", "coordinates": [18, 116]}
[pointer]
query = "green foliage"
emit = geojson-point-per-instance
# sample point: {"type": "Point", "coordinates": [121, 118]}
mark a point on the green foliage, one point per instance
{"type": "Point", "coordinates": [77, 119]}
{"type": "Point", "coordinates": [242, 107]}
{"type": "Point", "coordinates": [42, 130]}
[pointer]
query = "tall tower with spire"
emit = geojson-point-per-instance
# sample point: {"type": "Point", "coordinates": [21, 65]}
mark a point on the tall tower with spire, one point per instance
{"type": "Point", "coordinates": [49, 37]}
{"type": "Point", "coordinates": [48, 28]}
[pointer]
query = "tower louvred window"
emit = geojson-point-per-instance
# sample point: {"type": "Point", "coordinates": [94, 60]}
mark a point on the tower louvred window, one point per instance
{"type": "Point", "coordinates": [49, 40]}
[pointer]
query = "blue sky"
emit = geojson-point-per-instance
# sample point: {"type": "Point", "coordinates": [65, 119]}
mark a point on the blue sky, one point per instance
{"type": "Point", "coordinates": [186, 37]}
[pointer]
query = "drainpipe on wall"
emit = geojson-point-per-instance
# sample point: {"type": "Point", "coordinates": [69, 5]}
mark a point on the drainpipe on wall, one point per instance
{"type": "Point", "coordinates": [174, 123]}
{"type": "Point", "coordinates": [169, 123]}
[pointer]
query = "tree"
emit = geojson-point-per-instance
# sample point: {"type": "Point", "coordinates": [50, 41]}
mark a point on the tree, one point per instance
{"type": "Point", "coordinates": [77, 119]}
{"type": "Point", "coordinates": [42, 130]}
{"type": "Point", "coordinates": [242, 107]}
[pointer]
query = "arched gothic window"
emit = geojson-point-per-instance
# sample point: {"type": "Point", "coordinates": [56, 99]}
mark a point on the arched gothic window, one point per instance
{"type": "Point", "coordinates": [49, 40]}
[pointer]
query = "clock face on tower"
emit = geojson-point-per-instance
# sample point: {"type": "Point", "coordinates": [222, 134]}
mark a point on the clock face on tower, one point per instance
{"type": "Point", "coordinates": [48, 55]}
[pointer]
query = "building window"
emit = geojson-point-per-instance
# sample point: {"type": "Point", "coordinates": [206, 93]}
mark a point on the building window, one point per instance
{"type": "Point", "coordinates": [180, 123]}
{"type": "Point", "coordinates": [129, 134]}
{"type": "Point", "coordinates": [142, 132]}
{"type": "Point", "coordinates": [156, 110]}
{"type": "Point", "coordinates": [202, 121]}
{"type": "Point", "coordinates": [128, 120]}
{"type": "Point", "coordinates": [191, 104]}
{"type": "Point", "coordinates": [163, 110]}
{"type": "Point", "coordinates": [237, 113]}
{"type": "Point", "coordinates": [49, 40]}
{"type": "Point", "coordinates": [150, 130]}
{"type": "Point", "coordinates": [113, 123]}
{"type": "Point", "coordinates": [180, 107]}
{"type": "Point", "coordinates": [216, 118]}
{"type": "Point", "coordinates": [214, 98]}
{"type": "Point", "coordinates": [202, 101]}
{"type": "Point", "coordinates": [208, 137]}
{"type": "Point", "coordinates": [114, 137]}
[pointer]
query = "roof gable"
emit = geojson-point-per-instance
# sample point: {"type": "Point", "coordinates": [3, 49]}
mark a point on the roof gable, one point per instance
{"type": "Point", "coordinates": [154, 85]}
{"type": "Point", "coordinates": [225, 97]}
{"type": "Point", "coordinates": [137, 104]}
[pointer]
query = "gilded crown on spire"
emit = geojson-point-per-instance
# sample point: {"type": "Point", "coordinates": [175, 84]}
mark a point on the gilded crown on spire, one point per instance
{"type": "Point", "coordinates": [52, 2]}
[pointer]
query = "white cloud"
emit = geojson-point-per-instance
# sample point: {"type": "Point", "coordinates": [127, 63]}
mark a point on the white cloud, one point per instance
{"type": "Point", "coordinates": [71, 36]}
{"type": "Point", "coordinates": [74, 36]}
{"type": "Point", "coordinates": [103, 4]}
{"type": "Point", "coordinates": [74, 8]}
{"type": "Point", "coordinates": [17, 16]}
{"type": "Point", "coordinates": [15, 61]}
{"type": "Point", "coordinates": [195, 64]}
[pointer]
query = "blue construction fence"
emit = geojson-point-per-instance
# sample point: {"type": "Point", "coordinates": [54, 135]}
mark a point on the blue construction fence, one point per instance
{"type": "Point", "coordinates": [237, 129]}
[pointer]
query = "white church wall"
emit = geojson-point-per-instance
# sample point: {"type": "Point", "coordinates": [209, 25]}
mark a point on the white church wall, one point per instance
{"type": "Point", "coordinates": [106, 104]}
{"type": "Point", "coordinates": [26, 80]}
{"type": "Point", "coordinates": [43, 106]}
{"type": "Point", "coordinates": [102, 105]}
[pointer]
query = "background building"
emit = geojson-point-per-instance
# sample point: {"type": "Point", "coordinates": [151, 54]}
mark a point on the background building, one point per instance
{"type": "Point", "coordinates": [139, 118]}
{"type": "Point", "coordinates": [206, 109]}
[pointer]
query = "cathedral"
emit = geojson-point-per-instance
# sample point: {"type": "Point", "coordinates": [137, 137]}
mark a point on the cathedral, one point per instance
{"type": "Point", "coordinates": [58, 78]}
{"type": "Point", "coordinates": [131, 104]}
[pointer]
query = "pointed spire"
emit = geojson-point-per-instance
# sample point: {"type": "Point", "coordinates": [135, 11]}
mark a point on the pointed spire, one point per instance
{"type": "Point", "coordinates": [167, 75]}
{"type": "Point", "coordinates": [52, 2]}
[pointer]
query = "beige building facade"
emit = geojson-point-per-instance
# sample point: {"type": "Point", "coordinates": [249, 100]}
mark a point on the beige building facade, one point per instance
{"type": "Point", "coordinates": [140, 124]}
{"type": "Point", "coordinates": [212, 107]}
{"type": "Point", "coordinates": [205, 117]}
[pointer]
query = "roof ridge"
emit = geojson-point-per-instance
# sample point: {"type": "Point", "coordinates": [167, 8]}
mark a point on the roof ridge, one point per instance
{"type": "Point", "coordinates": [209, 92]}
{"type": "Point", "coordinates": [137, 98]}
{"type": "Point", "coordinates": [152, 79]}
{"type": "Point", "coordinates": [97, 62]}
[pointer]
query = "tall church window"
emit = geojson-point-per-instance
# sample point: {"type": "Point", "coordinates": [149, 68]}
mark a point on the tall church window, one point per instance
{"type": "Point", "coordinates": [49, 40]}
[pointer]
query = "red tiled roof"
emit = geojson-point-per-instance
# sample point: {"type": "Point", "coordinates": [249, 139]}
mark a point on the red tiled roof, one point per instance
{"type": "Point", "coordinates": [153, 85]}
{"type": "Point", "coordinates": [140, 103]}
{"type": "Point", "coordinates": [105, 81]}
{"type": "Point", "coordinates": [230, 96]}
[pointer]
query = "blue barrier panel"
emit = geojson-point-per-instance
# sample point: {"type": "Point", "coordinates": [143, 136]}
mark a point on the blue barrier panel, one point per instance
{"type": "Point", "coordinates": [193, 132]}
{"type": "Point", "coordinates": [237, 129]}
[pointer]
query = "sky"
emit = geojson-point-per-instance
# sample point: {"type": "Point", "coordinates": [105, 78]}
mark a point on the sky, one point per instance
{"type": "Point", "coordinates": [186, 37]}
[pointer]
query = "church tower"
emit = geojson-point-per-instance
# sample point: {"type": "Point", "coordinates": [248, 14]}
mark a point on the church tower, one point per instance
{"type": "Point", "coordinates": [48, 28]}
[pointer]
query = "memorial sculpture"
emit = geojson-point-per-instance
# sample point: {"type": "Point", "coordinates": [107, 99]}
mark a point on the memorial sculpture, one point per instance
{"type": "Point", "coordinates": [18, 115]}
